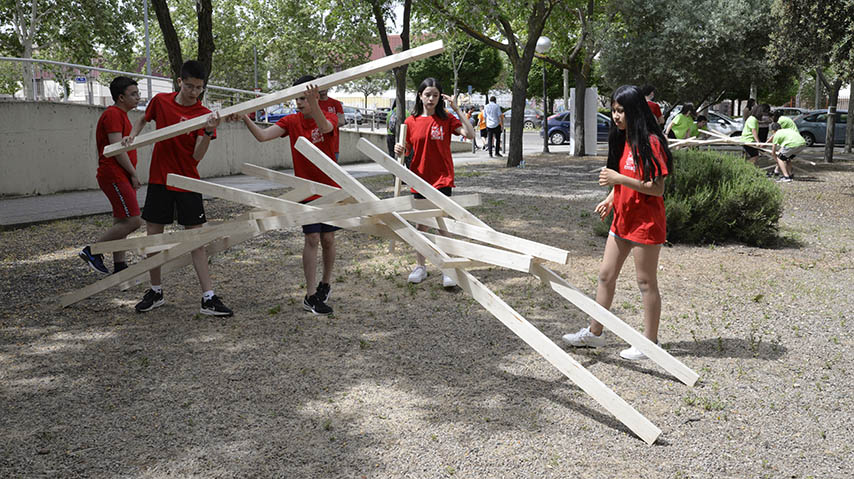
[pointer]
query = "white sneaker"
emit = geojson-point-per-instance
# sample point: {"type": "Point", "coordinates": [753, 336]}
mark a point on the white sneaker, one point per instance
{"type": "Point", "coordinates": [418, 274]}
{"type": "Point", "coordinates": [448, 282]}
{"type": "Point", "coordinates": [632, 354]}
{"type": "Point", "coordinates": [585, 339]}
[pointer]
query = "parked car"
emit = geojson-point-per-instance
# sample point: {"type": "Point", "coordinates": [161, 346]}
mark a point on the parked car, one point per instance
{"type": "Point", "coordinates": [718, 122]}
{"type": "Point", "coordinates": [789, 111]}
{"type": "Point", "coordinates": [276, 113]}
{"type": "Point", "coordinates": [533, 118]}
{"type": "Point", "coordinates": [381, 114]}
{"type": "Point", "coordinates": [353, 115]}
{"type": "Point", "coordinates": [813, 127]}
{"type": "Point", "coordinates": [560, 126]}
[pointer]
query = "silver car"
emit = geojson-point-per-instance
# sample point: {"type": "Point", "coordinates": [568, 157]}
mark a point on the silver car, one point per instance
{"type": "Point", "coordinates": [813, 127]}
{"type": "Point", "coordinates": [718, 122]}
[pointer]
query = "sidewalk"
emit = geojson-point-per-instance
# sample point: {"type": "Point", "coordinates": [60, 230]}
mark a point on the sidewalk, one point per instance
{"type": "Point", "coordinates": [22, 211]}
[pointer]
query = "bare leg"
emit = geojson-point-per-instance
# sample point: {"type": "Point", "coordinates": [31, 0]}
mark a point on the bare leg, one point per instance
{"type": "Point", "coordinates": [646, 265]}
{"type": "Point", "coordinates": [616, 252]}
{"type": "Point", "coordinates": [309, 262]}
{"type": "Point", "coordinates": [200, 263]}
{"type": "Point", "coordinates": [120, 229]}
{"type": "Point", "coordinates": [327, 242]}
{"type": "Point", "coordinates": [154, 229]}
{"type": "Point", "coordinates": [418, 256]}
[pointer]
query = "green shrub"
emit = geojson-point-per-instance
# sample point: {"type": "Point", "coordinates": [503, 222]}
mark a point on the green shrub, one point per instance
{"type": "Point", "coordinates": [714, 198]}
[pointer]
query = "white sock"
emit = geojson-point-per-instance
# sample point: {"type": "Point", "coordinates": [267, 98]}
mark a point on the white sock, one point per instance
{"type": "Point", "coordinates": [208, 295]}
{"type": "Point", "coordinates": [157, 288]}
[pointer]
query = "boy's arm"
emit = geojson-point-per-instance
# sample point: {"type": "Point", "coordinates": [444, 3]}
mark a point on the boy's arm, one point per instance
{"type": "Point", "coordinates": [124, 160]}
{"type": "Point", "coordinates": [204, 141]}
{"type": "Point", "coordinates": [260, 134]}
{"type": "Point", "coordinates": [312, 97]}
{"type": "Point", "coordinates": [134, 132]}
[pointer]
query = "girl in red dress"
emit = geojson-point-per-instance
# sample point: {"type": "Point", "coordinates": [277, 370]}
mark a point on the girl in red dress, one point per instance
{"type": "Point", "coordinates": [638, 161]}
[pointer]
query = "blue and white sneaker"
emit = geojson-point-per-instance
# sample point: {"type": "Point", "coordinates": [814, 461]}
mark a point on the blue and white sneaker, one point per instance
{"type": "Point", "coordinates": [95, 261]}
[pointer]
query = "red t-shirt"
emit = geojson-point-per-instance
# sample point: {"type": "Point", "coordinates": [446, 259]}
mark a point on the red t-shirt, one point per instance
{"type": "Point", "coordinates": [430, 140]}
{"type": "Point", "coordinates": [298, 125]}
{"type": "Point", "coordinates": [656, 110]}
{"type": "Point", "coordinates": [174, 155]}
{"type": "Point", "coordinates": [113, 120]}
{"type": "Point", "coordinates": [639, 217]}
{"type": "Point", "coordinates": [331, 105]}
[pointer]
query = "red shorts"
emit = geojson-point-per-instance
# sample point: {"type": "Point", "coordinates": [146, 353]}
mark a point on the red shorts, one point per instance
{"type": "Point", "coordinates": [122, 197]}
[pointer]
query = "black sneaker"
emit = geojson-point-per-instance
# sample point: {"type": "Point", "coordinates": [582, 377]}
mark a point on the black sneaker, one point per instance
{"type": "Point", "coordinates": [315, 305]}
{"type": "Point", "coordinates": [150, 301]}
{"type": "Point", "coordinates": [119, 266]}
{"type": "Point", "coordinates": [214, 307]}
{"type": "Point", "coordinates": [95, 261]}
{"type": "Point", "coordinates": [323, 290]}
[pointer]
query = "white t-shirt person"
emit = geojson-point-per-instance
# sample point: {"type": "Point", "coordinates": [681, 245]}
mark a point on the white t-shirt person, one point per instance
{"type": "Point", "coordinates": [492, 112]}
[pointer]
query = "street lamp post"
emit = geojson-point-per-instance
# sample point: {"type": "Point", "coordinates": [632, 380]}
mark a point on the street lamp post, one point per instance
{"type": "Point", "coordinates": [543, 46]}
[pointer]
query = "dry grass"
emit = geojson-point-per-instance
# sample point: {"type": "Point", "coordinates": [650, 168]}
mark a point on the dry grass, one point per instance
{"type": "Point", "coordinates": [416, 381]}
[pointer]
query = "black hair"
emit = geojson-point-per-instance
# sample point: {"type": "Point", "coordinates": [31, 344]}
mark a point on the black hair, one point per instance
{"type": "Point", "coordinates": [492, 98]}
{"type": "Point", "coordinates": [776, 115]}
{"type": "Point", "coordinates": [701, 118]}
{"type": "Point", "coordinates": [641, 125]}
{"type": "Point", "coordinates": [419, 105]}
{"type": "Point", "coordinates": [193, 69]}
{"type": "Point", "coordinates": [775, 126]}
{"type": "Point", "coordinates": [304, 79]}
{"type": "Point", "coordinates": [688, 109]}
{"type": "Point", "coordinates": [119, 85]}
{"type": "Point", "coordinates": [647, 89]}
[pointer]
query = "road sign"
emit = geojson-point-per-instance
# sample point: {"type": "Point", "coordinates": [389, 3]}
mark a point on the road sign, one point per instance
{"type": "Point", "coordinates": [80, 79]}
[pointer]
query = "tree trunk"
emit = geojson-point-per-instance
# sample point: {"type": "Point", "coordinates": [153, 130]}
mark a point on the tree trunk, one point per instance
{"type": "Point", "coordinates": [170, 38]}
{"type": "Point", "coordinates": [817, 89]}
{"type": "Point", "coordinates": [849, 129]}
{"type": "Point", "coordinates": [831, 120]}
{"type": "Point", "coordinates": [517, 120]}
{"type": "Point", "coordinates": [578, 121]}
{"type": "Point", "coordinates": [204, 12]}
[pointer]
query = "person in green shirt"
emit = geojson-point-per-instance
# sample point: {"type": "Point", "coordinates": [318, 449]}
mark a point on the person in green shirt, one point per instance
{"type": "Point", "coordinates": [750, 133]}
{"type": "Point", "coordinates": [790, 143]}
{"type": "Point", "coordinates": [681, 125]}
{"type": "Point", "coordinates": [784, 121]}
{"type": "Point", "coordinates": [701, 123]}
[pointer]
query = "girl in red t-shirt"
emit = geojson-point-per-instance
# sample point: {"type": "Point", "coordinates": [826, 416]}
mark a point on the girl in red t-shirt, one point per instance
{"type": "Point", "coordinates": [638, 161]}
{"type": "Point", "coordinates": [428, 138]}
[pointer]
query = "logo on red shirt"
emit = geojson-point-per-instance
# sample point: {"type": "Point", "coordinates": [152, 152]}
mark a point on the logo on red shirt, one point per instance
{"type": "Point", "coordinates": [316, 136]}
{"type": "Point", "coordinates": [437, 132]}
{"type": "Point", "coordinates": [630, 163]}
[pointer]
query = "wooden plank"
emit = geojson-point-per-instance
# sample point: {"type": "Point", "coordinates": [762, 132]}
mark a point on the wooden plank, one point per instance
{"type": "Point", "coordinates": [496, 238]}
{"type": "Point", "coordinates": [472, 199]}
{"type": "Point", "coordinates": [616, 325]}
{"type": "Point", "coordinates": [284, 179]}
{"type": "Point", "coordinates": [484, 254]}
{"type": "Point", "coordinates": [559, 358]}
{"type": "Point", "coordinates": [400, 159]}
{"type": "Point", "coordinates": [393, 220]}
{"type": "Point", "coordinates": [426, 189]}
{"type": "Point", "coordinates": [323, 83]}
{"type": "Point", "coordinates": [150, 263]}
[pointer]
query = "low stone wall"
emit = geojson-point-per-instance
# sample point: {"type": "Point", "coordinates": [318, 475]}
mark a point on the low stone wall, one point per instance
{"type": "Point", "coordinates": [47, 147]}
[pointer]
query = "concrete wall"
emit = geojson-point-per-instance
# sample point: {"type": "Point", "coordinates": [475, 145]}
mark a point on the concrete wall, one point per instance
{"type": "Point", "coordinates": [48, 147]}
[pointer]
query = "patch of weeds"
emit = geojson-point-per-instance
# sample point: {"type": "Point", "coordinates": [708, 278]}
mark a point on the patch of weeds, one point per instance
{"type": "Point", "coordinates": [758, 298]}
{"type": "Point", "coordinates": [434, 438]}
{"type": "Point", "coordinates": [364, 344]}
{"type": "Point", "coordinates": [275, 309]}
{"type": "Point", "coordinates": [292, 301]}
{"type": "Point", "coordinates": [449, 470]}
{"type": "Point", "coordinates": [143, 362]}
{"type": "Point", "coordinates": [327, 425]}
{"type": "Point", "coordinates": [707, 404]}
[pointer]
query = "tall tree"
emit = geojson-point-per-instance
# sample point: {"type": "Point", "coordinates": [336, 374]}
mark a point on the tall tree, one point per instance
{"type": "Point", "coordinates": [817, 34]}
{"type": "Point", "coordinates": [465, 62]}
{"type": "Point", "coordinates": [382, 11]}
{"type": "Point", "coordinates": [520, 23]}
{"type": "Point", "coordinates": [204, 32]}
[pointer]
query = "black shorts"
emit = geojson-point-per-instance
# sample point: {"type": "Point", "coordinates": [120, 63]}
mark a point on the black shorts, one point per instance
{"type": "Point", "coordinates": [162, 204]}
{"type": "Point", "coordinates": [446, 190]}
{"type": "Point", "coordinates": [317, 227]}
{"type": "Point", "coordinates": [751, 151]}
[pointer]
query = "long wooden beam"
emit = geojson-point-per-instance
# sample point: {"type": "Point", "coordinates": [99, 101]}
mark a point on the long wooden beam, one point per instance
{"type": "Point", "coordinates": [323, 83]}
{"type": "Point", "coordinates": [425, 189]}
{"type": "Point", "coordinates": [481, 253]}
{"type": "Point", "coordinates": [616, 325]}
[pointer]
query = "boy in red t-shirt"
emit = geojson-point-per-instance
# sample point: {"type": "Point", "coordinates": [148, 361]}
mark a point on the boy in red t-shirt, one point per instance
{"type": "Point", "coordinates": [117, 176]}
{"type": "Point", "coordinates": [648, 91]}
{"type": "Point", "coordinates": [320, 128]}
{"type": "Point", "coordinates": [331, 105]}
{"type": "Point", "coordinates": [179, 155]}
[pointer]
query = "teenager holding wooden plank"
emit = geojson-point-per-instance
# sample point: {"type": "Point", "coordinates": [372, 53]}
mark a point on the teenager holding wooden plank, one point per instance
{"type": "Point", "coordinates": [638, 161]}
{"type": "Point", "coordinates": [428, 138]}
{"type": "Point", "coordinates": [180, 155]}
{"type": "Point", "coordinates": [319, 127]}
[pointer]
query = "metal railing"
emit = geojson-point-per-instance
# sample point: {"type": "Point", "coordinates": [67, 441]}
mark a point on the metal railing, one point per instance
{"type": "Point", "coordinates": [72, 73]}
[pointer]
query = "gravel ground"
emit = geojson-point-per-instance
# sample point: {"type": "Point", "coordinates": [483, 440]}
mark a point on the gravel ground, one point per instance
{"type": "Point", "coordinates": [418, 382]}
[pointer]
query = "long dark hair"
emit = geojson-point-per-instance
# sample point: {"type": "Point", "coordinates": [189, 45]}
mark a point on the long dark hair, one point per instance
{"type": "Point", "coordinates": [640, 126]}
{"type": "Point", "coordinates": [419, 105]}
